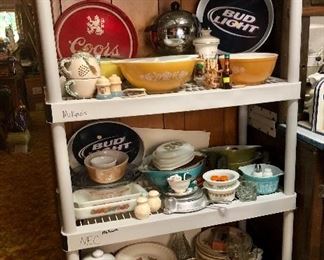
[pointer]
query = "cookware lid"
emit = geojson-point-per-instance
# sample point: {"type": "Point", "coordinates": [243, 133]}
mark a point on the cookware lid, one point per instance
{"type": "Point", "coordinates": [241, 26]}
{"type": "Point", "coordinates": [206, 38]}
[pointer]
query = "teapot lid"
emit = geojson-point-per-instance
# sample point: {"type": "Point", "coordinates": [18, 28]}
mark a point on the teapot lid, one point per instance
{"type": "Point", "coordinates": [206, 38]}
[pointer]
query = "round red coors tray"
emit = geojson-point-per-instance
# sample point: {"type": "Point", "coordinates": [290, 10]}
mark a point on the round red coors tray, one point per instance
{"type": "Point", "coordinates": [96, 27]}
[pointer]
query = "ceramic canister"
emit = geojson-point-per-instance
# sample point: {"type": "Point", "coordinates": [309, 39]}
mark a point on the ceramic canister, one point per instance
{"type": "Point", "coordinates": [142, 209]}
{"type": "Point", "coordinates": [154, 200]}
{"type": "Point", "coordinates": [206, 45]}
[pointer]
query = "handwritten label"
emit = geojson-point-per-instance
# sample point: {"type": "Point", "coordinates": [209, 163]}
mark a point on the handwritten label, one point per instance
{"type": "Point", "coordinates": [90, 241]}
{"type": "Point", "coordinates": [108, 231]}
{"type": "Point", "coordinates": [73, 114]}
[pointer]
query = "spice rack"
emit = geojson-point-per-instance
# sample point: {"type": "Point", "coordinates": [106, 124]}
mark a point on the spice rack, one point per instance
{"type": "Point", "coordinates": [120, 228]}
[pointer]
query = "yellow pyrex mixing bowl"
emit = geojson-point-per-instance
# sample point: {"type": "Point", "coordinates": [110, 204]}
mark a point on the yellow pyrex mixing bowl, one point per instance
{"type": "Point", "coordinates": [251, 68]}
{"type": "Point", "coordinates": [158, 74]}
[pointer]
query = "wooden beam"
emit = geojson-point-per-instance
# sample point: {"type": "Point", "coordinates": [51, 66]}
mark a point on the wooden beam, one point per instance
{"type": "Point", "coordinates": [313, 11]}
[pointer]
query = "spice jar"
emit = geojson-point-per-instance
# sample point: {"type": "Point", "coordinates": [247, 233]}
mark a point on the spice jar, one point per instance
{"type": "Point", "coordinates": [103, 88]}
{"type": "Point", "coordinates": [115, 87]}
{"type": "Point", "coordinates": [154, 200]}
{"type": "Point", "coordinates": [142, 209]}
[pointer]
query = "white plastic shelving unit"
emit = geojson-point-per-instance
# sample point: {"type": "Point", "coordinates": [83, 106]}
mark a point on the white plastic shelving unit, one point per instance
{"type": "Point", "coordinates": [114, 229]}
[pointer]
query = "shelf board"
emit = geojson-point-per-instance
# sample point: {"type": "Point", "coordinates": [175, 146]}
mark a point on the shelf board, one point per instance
{"type": "Point", "coordinates": [90, 109]}
{"type": "Point", "coordinates": [126, 229]}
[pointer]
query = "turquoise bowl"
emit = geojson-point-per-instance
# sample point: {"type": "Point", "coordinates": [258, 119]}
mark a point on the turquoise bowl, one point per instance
{"type": "Point", "coordinates": [265, 185]}
{"type": "Point", "coordinates": [159, 178]}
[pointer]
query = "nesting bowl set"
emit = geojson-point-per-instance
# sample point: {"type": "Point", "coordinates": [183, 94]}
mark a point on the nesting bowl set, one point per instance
{"type": "Point", "coordinates": [221, 184]}
{"type": "Point", "coordinates": [174, 163]}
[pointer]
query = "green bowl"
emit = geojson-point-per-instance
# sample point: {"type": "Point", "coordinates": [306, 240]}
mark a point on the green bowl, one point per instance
{"type": "Point", "coordinates": [231, 156]}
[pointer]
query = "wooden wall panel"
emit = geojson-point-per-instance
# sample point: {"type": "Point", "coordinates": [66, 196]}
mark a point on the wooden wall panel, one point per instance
{"type": "Point", "coordinates": [56, 10]}
{"type": "Point", "coordinates": [151, 121]}
{"type": "Point", "coordinates": [174, 121]}
{"type": "Point", "coordinates": [190, 5]}
{"type": "Point", "coordinates": [230, 125]}
{"type": "Point", "coordinates": [142, 14]}
{"type": "Point", "coordinates": [65, 4]}
{"type": "Point", "coordinates": [165, 6]}
{"type": "Point", "coordinates": [207, 120]}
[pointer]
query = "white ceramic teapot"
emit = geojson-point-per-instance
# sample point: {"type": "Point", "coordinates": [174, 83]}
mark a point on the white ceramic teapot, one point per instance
{"type": "Point", "coordinates": [81, 71]}
{"type": "Point", "coordinates": [81, 65]}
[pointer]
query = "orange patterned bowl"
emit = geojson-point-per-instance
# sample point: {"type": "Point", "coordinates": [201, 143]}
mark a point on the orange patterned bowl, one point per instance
{"type": "Point", "coordinates": [251, 68]}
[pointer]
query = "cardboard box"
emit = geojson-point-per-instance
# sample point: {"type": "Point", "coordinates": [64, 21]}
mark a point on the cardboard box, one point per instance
{"type": "Point", "coordinates": [35, 92]}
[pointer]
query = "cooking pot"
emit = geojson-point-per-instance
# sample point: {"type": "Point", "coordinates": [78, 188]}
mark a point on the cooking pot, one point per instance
{"type": "Point", "coordinates": [233, 156]}
{"type": "Point", "coordinates": [174, 31]}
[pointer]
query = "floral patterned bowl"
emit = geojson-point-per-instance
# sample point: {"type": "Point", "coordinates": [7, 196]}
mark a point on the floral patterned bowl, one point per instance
{"type": "Point", "coordinates": [158, 74]}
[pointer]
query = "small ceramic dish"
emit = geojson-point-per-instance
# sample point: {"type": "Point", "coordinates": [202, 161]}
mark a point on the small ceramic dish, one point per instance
{"type": "Point", "coordinates": [179, 184]}
{"type": "Point", "coordinates": [191, 190]}
{"type": "Point", "coordinates": [221, 195]}
{"type": "Point", "coordinates": [221, 178]}
{"type": "Point", "coordinates": [110, 174]}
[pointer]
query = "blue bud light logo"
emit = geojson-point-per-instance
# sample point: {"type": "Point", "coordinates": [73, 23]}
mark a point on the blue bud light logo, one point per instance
{"type": "Point", "coordinates": [240, 25]}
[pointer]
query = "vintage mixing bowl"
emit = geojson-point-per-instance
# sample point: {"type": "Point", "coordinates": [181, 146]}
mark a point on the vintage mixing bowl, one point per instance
{"type": "Point", "coordinates": [158, 74]}
{"type": "Point", "coordinates": [265, 183]}
{"type": "Point", "coordinates": [221, 178]}
{"type": "Point", "coordinates": [106, 172]}
{"type": "Point", "coordinates": [226, 194]}
{"type": "Point", "coordinates": [160, 178]}
{"type": "Point", "coordinates": [251, 68]}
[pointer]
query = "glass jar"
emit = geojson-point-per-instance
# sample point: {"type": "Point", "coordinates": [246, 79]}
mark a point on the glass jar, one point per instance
{"type": "Point", "coordinates": [180, 245]}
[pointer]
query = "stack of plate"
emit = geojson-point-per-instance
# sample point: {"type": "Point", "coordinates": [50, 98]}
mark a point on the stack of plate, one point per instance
{"type": "Point", "coordinates": [172, 155]}
{"type": "Point", "coordinates": [216, 243]}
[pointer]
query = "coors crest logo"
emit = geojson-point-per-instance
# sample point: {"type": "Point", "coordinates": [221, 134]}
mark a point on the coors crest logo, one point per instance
{"type": "Point", "coordinates": [234, 21]}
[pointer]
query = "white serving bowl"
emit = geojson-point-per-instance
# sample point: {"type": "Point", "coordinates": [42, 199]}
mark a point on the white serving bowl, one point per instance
{"type": "Point", "coordinates": [110, 174]}
{"type": "Point", "coordinates": [103, 161]}
{"type": "Point", "coordinates": [221, 195]}
{"type": "Point", "coordinates": [232, 178]}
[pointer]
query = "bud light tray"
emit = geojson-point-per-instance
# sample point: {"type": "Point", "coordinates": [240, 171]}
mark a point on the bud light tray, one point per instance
{"type": "Point", "coordinates": [241, 26]}
{"type": "Point", "coordinates": [103, 135]}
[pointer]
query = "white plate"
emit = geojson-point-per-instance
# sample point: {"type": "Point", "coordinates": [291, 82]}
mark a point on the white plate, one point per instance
{"type": "Point", "coordinates": [189, 191]}
{"type": "Point", "coordinates": [173, 149]}
{"type": "Point", "coordinates": [172, 166]}
{"type": "Point", "coordinates": [146, 251]}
